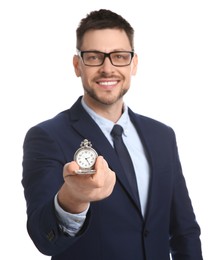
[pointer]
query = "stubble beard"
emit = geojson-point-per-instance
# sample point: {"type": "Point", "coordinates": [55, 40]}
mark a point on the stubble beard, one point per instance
{"type": "Point", "coordinates": [107, 98]}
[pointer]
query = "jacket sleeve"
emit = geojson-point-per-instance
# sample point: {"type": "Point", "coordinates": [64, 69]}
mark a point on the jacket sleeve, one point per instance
{"type": "Point", "coordinates": [43, 162]}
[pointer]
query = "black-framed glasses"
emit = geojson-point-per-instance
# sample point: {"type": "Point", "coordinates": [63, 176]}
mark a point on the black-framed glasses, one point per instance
{"type": "Point", "coordinates": [97, 58]}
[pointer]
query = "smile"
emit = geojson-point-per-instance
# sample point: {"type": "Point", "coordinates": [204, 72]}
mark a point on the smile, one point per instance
{"type": "Point", "coordinates": [107, 83]}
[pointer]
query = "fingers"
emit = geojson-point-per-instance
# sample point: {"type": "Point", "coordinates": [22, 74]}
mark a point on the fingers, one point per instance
{"type": "Point", "coordinates": [101, 167]}
{"type": "Point", "coordinates": [89, 187]}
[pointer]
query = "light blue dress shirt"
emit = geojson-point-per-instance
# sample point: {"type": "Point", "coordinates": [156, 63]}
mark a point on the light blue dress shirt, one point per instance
{"type": "Point", "coordinates": [71, 223]}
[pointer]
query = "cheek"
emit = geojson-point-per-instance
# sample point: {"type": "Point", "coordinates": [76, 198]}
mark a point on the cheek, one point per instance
{"type": "Point", "coordinates": [86, 77]}
{"type": "Point", "coordinates": [85, 72]}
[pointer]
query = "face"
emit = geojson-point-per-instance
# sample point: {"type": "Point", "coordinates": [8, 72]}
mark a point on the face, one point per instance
{"type": "Point", "coordinates": [106, 84]}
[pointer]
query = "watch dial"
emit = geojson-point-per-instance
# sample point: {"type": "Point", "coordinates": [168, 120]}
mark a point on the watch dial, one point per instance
{"type": "Point", "coordinates": [86, 158]}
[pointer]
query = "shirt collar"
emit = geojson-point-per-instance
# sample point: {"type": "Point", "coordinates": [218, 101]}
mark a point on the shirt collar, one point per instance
{"type": "Point", "coordinates": [106, 124]}
{"type": "Point", "coordinates": [124, 120]}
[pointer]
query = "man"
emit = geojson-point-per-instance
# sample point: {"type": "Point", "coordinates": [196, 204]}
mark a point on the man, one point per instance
{"type": "Point", "coordinates": [92, 213]}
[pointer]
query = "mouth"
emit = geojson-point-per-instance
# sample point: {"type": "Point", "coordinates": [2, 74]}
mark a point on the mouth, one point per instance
{"type": "Point", "coordinates": [107, 84]}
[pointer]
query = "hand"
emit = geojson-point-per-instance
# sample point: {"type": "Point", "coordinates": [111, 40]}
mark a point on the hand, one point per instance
{"type": "Point", "coordinates": [79, 190]}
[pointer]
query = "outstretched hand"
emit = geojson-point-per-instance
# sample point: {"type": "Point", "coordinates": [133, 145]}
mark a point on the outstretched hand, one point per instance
{"type": "Point", "coordinates": [79, 190]}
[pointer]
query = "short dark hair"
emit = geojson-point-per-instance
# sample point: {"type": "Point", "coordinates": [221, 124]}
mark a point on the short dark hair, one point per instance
{"type": "Point", "coordinates": [103, 19]}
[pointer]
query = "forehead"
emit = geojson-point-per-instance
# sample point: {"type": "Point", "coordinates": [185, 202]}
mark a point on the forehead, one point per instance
{"type": "Point", "coordinates": [106, 40]}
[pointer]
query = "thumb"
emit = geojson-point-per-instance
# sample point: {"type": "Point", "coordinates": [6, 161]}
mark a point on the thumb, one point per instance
{"type": "Point", "coordinates": [70, 168]}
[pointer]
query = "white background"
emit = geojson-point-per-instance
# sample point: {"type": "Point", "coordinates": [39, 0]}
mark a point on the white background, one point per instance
{"type": "Point", "coordinates": [180, 81]}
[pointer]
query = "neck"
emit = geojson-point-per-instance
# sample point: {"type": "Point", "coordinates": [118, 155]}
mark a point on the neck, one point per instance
{"type": "Point", "coordinates": [111, 112]}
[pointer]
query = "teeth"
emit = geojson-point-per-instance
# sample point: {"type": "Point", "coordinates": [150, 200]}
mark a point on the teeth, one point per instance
{"type": "Point", "coordinates": [108, 83]}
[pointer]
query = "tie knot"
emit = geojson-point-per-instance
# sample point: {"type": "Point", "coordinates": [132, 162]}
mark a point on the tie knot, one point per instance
{"type": "Point", "coordinates": [117, 131]}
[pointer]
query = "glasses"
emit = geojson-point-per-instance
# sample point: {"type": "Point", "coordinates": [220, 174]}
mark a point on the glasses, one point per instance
{"type": "Point", "coordinates": [97, 58]}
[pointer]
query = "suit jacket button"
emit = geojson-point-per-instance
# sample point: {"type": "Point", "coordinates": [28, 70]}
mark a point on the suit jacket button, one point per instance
{"type": "Point", "coordinates": [51, 235]}
{"type": "Point", "coordinates": [145, 233]}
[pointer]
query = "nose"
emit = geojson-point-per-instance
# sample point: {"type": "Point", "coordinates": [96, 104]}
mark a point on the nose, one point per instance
{"type": "Point", "coordinates": [107, 66]}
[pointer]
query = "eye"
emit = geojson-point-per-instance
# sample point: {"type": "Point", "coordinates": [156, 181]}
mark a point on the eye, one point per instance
{"type": "Point", "coordinates": [121, 56]}
{"type": "Point", "coordinates": [92, 56]}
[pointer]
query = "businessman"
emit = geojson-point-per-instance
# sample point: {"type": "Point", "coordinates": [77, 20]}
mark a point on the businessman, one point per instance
{"type": "Point", "coordinates": [102, 182]}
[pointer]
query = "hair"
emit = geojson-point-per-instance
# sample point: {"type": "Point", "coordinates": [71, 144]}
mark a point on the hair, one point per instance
{"type": "Point", "coordinates": [103, 19]}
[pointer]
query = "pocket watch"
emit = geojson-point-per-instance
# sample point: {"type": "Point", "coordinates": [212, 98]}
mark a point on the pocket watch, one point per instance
{"type": "Point", "coordinates": [85, 157]}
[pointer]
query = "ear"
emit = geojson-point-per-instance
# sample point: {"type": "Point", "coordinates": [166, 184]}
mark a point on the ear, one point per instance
{"type": "Point", "coordinates": [76, 65]}
{"type": "Point", "coordinates": [134, 64]}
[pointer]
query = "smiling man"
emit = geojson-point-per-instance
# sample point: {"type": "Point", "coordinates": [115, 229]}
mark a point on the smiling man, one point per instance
{"type": "Point", "coordinates": [102, 182]}
{"type": "Point", "coordinates": [105, 67]}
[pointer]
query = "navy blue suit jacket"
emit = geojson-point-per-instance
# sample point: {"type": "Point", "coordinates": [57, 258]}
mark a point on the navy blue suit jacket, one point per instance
{"type": "Point", "coordinates": [115, 228]}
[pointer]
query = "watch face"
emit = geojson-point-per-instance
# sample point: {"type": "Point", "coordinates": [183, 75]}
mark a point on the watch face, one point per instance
{"type": "Point", "coordinates": [85, 157]}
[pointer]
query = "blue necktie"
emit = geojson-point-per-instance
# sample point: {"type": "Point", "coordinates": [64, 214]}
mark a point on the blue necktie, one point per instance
{"type": "Point", "coordinates": [125, 159]}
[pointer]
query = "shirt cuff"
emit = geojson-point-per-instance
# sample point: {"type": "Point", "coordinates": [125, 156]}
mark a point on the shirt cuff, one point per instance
{"type": "Point", "coordinates": [68, 222]}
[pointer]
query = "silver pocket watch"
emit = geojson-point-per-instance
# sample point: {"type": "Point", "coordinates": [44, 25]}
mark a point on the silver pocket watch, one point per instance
{"type": "Point", "coordinates": [85, 157]}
